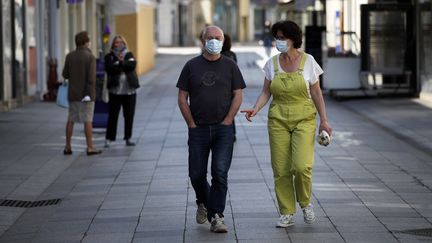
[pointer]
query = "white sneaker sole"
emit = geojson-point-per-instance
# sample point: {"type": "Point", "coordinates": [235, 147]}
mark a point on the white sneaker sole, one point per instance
{"type": "Point", "coordinates": [201, 221]}
{"type": "Point", "coordinates": [309, 221]}
{"type": "Point", "coordinates": [219, 230]}
{"type": "Point", "coordinates": [279, 225]}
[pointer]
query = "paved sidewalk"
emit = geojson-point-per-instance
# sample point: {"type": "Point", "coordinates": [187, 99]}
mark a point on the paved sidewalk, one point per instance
{"type": "Point", "coordinates": [369, 185]}
{"type": "Point", "coordinates": [408, 119]}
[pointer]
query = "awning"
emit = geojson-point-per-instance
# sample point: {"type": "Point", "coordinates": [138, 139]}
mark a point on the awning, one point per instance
{"type": "Point", "coordinates": [127, 6]}
{"type": "Point", "coordinates": [265, 2]}
{"type": "Point", "coordinates": [74, 1]}
{"type": "Point", "coordinates": [299, 4]}
{"type": "Point", "coordinates": [303, 4]}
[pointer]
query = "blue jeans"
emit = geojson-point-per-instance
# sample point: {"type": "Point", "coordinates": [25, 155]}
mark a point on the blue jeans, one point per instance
{"type": "Point", "coordinates": [218, 139]}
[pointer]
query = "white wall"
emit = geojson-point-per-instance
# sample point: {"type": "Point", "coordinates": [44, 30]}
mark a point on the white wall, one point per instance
{"type": "Point", "coordinates": [351, 10]}
{"type": "Point", "coordinates": [165, 21]}
{"type": "Point", "coordinates": [40, 49]}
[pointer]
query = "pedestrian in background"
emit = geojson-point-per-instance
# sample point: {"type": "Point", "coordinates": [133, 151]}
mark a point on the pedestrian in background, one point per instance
{"type": "Point", "coordinates": [122, 82]}
{"type": "Point", "coordinates": [226, 48]}
{"type": "Point", "coordinates": [291, 77]}
{"type": "Point", "coordinates": [210, 94]}
{"type": "Point", "coordinates": [226, 51]}
{"type": "Point", "coordinates": [80, 71]}
{"type": "Point", "coordinates": [267, 38]}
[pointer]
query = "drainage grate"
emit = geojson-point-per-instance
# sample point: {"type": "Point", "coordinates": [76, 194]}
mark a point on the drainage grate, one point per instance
{"type": "Point", "coordinates": [421, 232]}
{"type": "Point", "coordinates": [28, 204]}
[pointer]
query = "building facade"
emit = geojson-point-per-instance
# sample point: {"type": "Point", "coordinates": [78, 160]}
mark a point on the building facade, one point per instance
{"type": "Point", "coordinates": [37, 35]}
{"type": "Point", "coordinates": [387, 42]}
{"type": "Point", "coordinates": [180, 22]}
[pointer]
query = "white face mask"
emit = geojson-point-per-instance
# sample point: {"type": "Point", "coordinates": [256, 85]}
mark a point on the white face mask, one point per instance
{"type": "Point", "coordinates": [282, 46]}
{"type": "Point", "coordinates": [213, 46]}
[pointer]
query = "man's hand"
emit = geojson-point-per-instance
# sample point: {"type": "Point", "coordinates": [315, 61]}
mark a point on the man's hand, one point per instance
{"type": "Point", "coordinates": [86, 99]}
{"type": "Point", "coordinates": [227, 121]}
{"type": "Point", "coordinates": [192, 125]}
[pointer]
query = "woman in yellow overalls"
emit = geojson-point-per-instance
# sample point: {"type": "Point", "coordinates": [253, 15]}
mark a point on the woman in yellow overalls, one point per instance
{"type": "Point", "coordinates": [292, 80]}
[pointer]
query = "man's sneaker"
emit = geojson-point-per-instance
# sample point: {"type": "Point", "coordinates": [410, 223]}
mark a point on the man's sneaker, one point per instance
{"type": "Point", "coordinates": [201, 214]}
{"type": "Point", "coordinates": [285, 221]}
{"type": "Point", "coordinates": [308, 214]}
{"type": "Point", "coordinates": [218, 224]}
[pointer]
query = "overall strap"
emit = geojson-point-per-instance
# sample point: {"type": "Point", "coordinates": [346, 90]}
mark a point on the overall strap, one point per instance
{"type": "Point", "coordinates": [275, 64]}
{"type": "Point", "coordinates": [303, 61]}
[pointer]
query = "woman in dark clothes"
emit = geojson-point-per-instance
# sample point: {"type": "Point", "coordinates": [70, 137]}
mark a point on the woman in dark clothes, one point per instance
{"type": "Point", "coordinates": [122, 83]}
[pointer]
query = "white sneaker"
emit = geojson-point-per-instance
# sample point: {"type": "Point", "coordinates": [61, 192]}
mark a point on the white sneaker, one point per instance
{"type": "Point", "coordinates": [308, 214]}
{"type": "Point", "coordinates": [107, 143]}
{"type": "Point", "coordinates": [285, 221]}
{"type": "Point", "coordinates": [218, 224]}
{"type": "Point", "coordinates": [201, 214]}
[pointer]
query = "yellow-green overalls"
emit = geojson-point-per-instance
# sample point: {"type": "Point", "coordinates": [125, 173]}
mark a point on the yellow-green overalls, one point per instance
{"type": "Point", "coordinates": [291, 126]}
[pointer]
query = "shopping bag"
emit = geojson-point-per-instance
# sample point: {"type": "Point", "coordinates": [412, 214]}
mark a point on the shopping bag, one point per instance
{"type": "Point", "coordinates": [105, 92]}
{"type": "Point", "coordinates": [62, 95]}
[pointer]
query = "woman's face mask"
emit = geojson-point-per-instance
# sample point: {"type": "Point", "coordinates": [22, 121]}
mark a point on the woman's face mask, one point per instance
{"type": "Point", "coordinates": [282, 46]}
{"type": "Point", "coordinates": [213, 46]}
{"type": "Point", "coordinates": [120, 47]}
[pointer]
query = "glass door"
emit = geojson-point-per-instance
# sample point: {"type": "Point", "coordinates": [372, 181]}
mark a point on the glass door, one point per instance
{"type": "Point", "coordinates": [6, 57]}
{"type": "Point", "coordinates": [19, 56]}
{"type": "Point", "coordinates": [1, 51]}
{"type": "Point", "coordinates": [426, 45]}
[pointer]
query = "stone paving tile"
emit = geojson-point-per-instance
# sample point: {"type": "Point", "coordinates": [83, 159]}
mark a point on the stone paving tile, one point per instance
{"type": "Point", "coordinates": [20, 237]}
{"type": "Point", "coordinates": [9, 215]}
{"type": "Point", "coordinates": [115, 226]}
{"type": "Point", "coordinates": [203, 233]}
{"type": "Point", "coordinates": [108, 238]}
{"type": "Point", "coordinates": [368, 237]}
{"type": "Point", "coordinates": [424, 210]}
{"type": "Point", "coordinates": [121, 203]}
{"type": "Point", "coordinates": [160, 239]}
{"type": "Point", "coordinates": [117, 213]}
{"type": "Point", "coordinates": [316, 237]}
{"type": "Point", "coordinates": [251, 223]}
{"type": "Point", "coordinates": [163, 223]}
{"type": "Point", "coordinates": [65, 227]}
{"type": "Point", "coordinates": [267, 240]}
{"type": "Point", "coordinates": [261, 233]}
{"type": "Point", "coordinates": [159, 236]}
{"type": "Point", "coordinates": [73, 215]}
{"type": "Point", "coordinates": [53, 238]}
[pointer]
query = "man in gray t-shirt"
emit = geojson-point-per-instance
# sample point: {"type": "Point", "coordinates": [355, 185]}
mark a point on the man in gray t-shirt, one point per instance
{"type": "Point", "coordinates": [213, 86]}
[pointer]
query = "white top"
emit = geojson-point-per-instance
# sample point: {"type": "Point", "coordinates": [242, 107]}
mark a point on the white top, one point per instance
{"type": "Point", "coordinates": [311, 70]}
{"type": "Point", "coordinates": [123, 87]}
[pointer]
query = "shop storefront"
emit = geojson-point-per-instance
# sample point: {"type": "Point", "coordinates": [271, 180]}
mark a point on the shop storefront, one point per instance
{"type": "Point", "coordinates": [425, 46]}
{"type": "Point", "coordinates": [13, 79]}
{"type": "Point", "coordinates": [385, 47]}
{"type": "Point", "coordinates": [226, 16]}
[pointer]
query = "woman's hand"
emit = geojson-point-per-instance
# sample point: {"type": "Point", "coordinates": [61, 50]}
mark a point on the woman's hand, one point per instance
{"type": "Point", "coordinates": [324, 125]}
{"type": "Point", "coordinates": [249, 113]}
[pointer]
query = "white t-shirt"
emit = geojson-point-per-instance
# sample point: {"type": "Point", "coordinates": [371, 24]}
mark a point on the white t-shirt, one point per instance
{"type": "Point", "coordinates": [311, 70]}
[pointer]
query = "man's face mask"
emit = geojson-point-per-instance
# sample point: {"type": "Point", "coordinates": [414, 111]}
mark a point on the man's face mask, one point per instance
{"type": "Point", "coordinates": [213, 46]}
